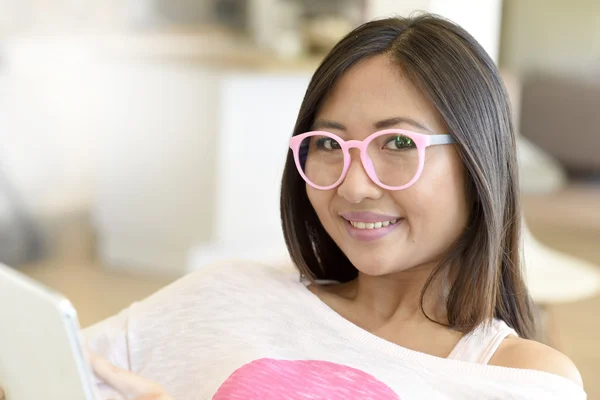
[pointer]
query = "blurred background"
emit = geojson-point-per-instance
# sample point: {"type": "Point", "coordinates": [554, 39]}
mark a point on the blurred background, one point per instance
{"type": "Point", "coordinates": [143, 139]}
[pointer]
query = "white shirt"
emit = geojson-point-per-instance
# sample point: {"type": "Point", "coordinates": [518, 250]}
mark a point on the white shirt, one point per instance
{"type": "Point", "coordinates": [240, 330]}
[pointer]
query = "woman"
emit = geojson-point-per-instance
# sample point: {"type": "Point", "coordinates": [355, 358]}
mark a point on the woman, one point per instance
{"type": "Point", "coordinates": [400, 208]}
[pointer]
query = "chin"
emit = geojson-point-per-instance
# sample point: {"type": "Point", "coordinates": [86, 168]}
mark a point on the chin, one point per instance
{"type": "Point", "coordinates": [373, 267]}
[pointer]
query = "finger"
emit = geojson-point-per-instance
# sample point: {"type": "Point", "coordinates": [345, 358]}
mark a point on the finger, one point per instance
{"type": "Point", "coordinates": [125, 382]}
{"type": "Point", "coordinates": [2, 397]}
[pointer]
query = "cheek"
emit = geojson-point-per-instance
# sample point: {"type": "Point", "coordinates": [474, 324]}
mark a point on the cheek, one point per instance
{"type": "Point", "coordinates": [438, 200]}
{"type": "Point", "coordinates": [320, 201]}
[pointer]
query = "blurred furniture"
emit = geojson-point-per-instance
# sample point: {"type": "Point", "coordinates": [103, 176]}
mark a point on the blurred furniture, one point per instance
{"type": "Point", "coordinates": [557, 277]}
{"type": "Point", "coordinates": [560, 114]}
{"type": "Point", "coordinates": [553, 277]}
{"type": "Point", "coordinates": [158, 14]}
{"type": "Point", "coordinates": [568, 218]}
{"type": "Point", "coordinates": [20, 234]}
{"type": "Point", "coordinates": [538, 172]}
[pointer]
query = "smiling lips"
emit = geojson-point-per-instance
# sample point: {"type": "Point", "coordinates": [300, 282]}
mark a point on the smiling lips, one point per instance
{"type": "Point", "coordinates": [367, 226]}
{"type": "Point", "coordinates": [372, 225]}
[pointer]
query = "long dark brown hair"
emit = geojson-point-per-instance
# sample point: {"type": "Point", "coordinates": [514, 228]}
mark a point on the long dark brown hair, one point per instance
{"type": "Point", "coordinates": [456, 74]}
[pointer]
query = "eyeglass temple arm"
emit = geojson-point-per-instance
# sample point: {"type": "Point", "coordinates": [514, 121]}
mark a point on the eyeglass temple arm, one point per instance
{"type": "Point", "coordinates": [441, 139]}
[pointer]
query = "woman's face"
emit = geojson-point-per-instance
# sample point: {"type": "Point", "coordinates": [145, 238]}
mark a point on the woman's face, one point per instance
{"type": "Point", "coordinates": [430, 214]}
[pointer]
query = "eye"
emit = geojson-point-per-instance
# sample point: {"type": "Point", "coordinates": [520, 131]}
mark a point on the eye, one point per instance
{"type": "Point", "coordinates": [399, 142]}
{"type": "Point", "coordinates": [326, 143]}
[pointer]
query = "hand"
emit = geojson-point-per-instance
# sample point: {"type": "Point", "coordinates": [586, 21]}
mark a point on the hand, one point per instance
{"type": "Point", "coordinates": [2, 397]}
{"type": "Point", "coordinates": [127, 383]}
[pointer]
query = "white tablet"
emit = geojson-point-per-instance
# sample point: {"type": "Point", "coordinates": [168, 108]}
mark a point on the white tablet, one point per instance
{"type": "Point", "coordinates": [40, 352]}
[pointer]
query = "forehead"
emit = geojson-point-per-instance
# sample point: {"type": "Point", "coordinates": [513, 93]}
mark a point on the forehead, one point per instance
{"type": "Point", "coordinates": [373, 90]}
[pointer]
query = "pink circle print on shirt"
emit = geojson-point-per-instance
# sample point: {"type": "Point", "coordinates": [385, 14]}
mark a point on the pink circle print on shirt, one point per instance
{"type": "Point", "coordinates": [270, 379]}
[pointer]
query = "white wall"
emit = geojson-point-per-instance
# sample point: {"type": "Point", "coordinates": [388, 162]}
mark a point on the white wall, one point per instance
{"type": "Point", "coordinates": [551, 35]}
{"type": "Point", "coordinates": [257, 112]}
{"type": "Point", "coordinates": [155, 192]}
{"type": "Point", "coordinates": [390, 8]}
{"type": "Point", "coordinates": [481, 18]}
{"type": "Point", "coordinates": [47, 146]}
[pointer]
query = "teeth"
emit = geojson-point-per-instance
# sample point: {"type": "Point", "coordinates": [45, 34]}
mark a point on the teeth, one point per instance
{"type": "Point", "coordinates": [372, 225]}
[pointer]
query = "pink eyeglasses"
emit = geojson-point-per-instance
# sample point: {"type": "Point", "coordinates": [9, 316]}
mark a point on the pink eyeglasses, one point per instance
{"type": "Point", "coordinates": [392, 158]}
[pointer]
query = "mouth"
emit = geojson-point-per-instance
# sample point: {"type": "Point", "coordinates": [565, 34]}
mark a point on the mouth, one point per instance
{"type": "Point", "coordinates": [373, 229]}
{"type": "Point", "coordinates": [372, 225]}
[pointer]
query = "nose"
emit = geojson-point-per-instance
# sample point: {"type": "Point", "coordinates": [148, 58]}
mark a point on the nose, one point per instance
{"type": "Point", "coordinates": [357, 186]}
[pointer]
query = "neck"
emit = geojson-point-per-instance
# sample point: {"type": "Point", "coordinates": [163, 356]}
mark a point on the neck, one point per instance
{"type": "Point", "coordinates": [397, 297]}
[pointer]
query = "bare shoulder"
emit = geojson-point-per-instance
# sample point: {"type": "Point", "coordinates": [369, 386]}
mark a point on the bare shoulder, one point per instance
{"type": "Point", "coordinates": [527, 354]}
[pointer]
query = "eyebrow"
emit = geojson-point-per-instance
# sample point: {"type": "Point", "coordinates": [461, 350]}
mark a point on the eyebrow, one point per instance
{"type": "Point", "coordinates": [383, 124]}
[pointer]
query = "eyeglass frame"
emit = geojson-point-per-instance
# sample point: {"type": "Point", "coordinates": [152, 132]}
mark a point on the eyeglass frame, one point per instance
{"type": "Point", "coordinates": [421, 140]}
